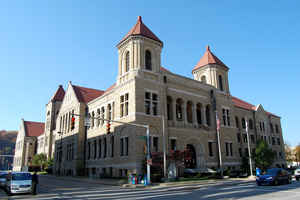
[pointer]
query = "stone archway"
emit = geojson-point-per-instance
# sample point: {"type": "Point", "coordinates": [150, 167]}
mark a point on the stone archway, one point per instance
{"type": "Point", "coordinates": [198, 149]}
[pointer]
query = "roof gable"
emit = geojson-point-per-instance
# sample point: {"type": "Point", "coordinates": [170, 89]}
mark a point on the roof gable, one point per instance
{"type": "Point", "coordinates": [86, 95]}
{"type": "Point", "coordinates": [34, 129]}
{"type": "Point", "coordinates": [59, 94]}
{"type": "Point", "coordinates": [209, 58]}
{"type": "Point", "coordinates": [141, 29]}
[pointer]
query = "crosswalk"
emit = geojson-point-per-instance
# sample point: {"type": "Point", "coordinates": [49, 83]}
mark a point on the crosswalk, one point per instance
{"type": "Point", "coordinates": [109, 194]}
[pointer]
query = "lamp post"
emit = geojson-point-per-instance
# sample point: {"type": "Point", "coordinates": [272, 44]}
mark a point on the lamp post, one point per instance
{"type": "Point", "coordinates": [60, 151]}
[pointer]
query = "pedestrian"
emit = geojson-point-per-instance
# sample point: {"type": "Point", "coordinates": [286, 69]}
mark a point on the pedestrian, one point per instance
{"type": "Point", "coordinates": [35, 181]}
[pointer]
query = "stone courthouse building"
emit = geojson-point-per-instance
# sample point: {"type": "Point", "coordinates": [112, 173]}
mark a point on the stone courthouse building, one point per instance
{"type": "Point", "coordinates": [147, 93]}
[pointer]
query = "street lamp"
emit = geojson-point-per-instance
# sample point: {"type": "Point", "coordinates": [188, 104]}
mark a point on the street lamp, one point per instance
{"type": "Point", "coordinates": [60, 151]}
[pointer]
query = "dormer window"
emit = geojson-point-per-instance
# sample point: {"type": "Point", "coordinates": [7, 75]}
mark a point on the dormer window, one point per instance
{"type": "Point", "coordinates": [148, 60]}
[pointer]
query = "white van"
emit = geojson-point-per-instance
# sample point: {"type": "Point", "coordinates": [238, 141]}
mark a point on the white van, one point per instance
{"type": "Point", "coordinates": [18, 182]}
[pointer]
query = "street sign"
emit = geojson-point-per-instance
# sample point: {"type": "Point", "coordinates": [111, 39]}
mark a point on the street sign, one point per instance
{"type": "Point", "coordinates": [87, 121]}
{"type": "Point", "coordinates": [142, 137]}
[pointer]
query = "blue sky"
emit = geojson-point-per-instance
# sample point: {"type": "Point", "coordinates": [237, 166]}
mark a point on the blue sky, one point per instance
{"type": "Point", "coordinates": [44, 44]}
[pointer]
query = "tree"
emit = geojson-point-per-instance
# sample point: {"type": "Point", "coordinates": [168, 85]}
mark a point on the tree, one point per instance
{"type": "Point", "coordinates": [264, 156]}
{"type": "Point", "coordinates": [40, 160]}
{"type": "Point", "coordinates": [288, 153]}
{"type": "Point", "coordinates": [297, 153]}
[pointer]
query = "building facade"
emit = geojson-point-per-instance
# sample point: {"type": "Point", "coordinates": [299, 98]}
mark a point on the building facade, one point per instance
{"type": "Point", "coordinates": [183, 110]}
{"type": "Point", "coordinates": [26, 144]}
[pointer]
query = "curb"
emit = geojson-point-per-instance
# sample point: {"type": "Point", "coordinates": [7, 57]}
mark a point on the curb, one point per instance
{"type": "Point", "coordinates": [191, 183]}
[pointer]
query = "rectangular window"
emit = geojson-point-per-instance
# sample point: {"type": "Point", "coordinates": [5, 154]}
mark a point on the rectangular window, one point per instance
{"type": "Point", "coordinates": [246, 152]}
{"type": "Point", "coordinates": [278, 141]}
{"type": "Point", "coordinates": [105, 148]}
{"type": "Point", "coordinates": [245, 138]}
{"type": "Point", "coordinates": [273, 141]}
{"type": "Point", "coordinates": [89, 150]}
{"type": "Point", "coordinates": [252, 139]}
{"type": "Point", "coordinates": [112, 143]}
{"type": "Point", "coordinates": [121, 146]}
{"type": "Point", "coordinates": [173, 144]}
{"type": "Point", "coordinates": [124, 105]}
{"type": "Point", "coordinates": [240, 152]}
{"type": "Point", "coordinates": [127, 146]}
{"type": "Point", "coordinates": [239, 137]}
{"type": "Point", "coordinates": [231, 152]}
{"type": "Point", "coordinates": [210, 149]}
{"type": "Point", "coordinates": [99, 148]}
{"type": "Point", "coordinates": [155, 144]}
{"type": "Point", "coordinates": [224, 117]}
{"type": "Point", "coordinates": [95, 149]}
{"type": "Point", "coordinates": [227, 149]}
{"type": "Point", "coordinates": [151, 103]}
{"type": "Point", "coordinates": [147, 102]}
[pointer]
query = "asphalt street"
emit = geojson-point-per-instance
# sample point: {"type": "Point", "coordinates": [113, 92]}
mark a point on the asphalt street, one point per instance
{"type": "Point", "coordinates": [53, 188]}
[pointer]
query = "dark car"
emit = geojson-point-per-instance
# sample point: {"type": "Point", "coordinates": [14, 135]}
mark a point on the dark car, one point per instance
{"type": "Point", "coordinates": [274, 176]}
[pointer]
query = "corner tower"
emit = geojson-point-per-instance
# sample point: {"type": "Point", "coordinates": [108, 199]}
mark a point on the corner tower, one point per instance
{"type": "Point", "coordinates": [139, 53]}
{"type": "Point", "coordinates": [211, 70]}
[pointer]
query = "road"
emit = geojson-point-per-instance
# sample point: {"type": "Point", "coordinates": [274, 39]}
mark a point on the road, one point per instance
{"type": "Point", "coordinates": [52, 188]}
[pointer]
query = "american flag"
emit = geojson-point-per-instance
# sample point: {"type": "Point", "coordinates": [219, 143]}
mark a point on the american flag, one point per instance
{"type": "Point", "coordinates": [218, 122]}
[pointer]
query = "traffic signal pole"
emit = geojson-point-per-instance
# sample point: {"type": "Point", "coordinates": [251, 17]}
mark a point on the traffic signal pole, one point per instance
{"type": "Point", "coordinates": [132, 124]}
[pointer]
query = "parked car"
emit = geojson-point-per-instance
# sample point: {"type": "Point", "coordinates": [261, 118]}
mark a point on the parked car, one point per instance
{"type": "Point", "coordinates": [3, 179]}
{"type": "Point", "coordinates": [18, 182]}
{"type": "Point", "coordinates": [274, 176]}
{"type": "Point", "coordinates": [297, 174]}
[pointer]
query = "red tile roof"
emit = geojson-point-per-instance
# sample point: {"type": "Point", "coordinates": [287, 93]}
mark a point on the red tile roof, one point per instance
{"type": "Point", "coordinates": [86, 95]}
{"type": "Point", "coordinates": [208, 58]}
{"type": "Point", "coordinates": [141, 29]}
{"type": "Point", "coordinates": [34, 129]}
{"type": "Point", "coordinates": [59, 94]}
{"type": "Point", "coordinates": [242, 104]}
{"type": "Point", "coordinates": [164, 69]}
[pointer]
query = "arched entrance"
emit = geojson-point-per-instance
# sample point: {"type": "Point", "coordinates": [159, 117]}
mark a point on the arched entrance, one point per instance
{"type": "Point", "coordinates": [190, 157]}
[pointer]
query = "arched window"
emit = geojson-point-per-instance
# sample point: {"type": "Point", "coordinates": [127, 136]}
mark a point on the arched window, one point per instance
{"type": "Point", "coordinates": [203, 79]}
{"type": "Point", "coordinates": [170, 108]}
{"type": "Point", "coordinates": [221, 83]}
{"type": "Point", "coordinates": [127, 61]}
{"type": "Point", "coordinates": [189, 111]}
{"type": "Point", "coordinates": [250, 124]}
{"type": "Point", "coordinates": [237, 122]}
{"type": "Point", "coordinates": [199, 115]}
{"type": "Point", "coordinates": [148, 60]}
{"type": "Point", "coordinates": [207, 114]}
{"type": "Point", "coordinates": [98, 115]}
{"type": "Point", "coordinates": [179, 103]}
{"type": "Point", "coordinates": [243, 123]}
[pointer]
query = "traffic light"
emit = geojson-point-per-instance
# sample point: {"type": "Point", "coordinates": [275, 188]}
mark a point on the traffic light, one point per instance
{"type": "Point", "coordinates": [108, 127]}
{"type": "Point", "coordinates": [72, 122]}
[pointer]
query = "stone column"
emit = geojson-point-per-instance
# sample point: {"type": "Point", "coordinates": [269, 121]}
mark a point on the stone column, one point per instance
{"type": "Point", "coordinates": [184, 112]}
{"type": "Point", "coordinates": [195, 120]}
{"type": "Point", "coordinates": [174, 110]}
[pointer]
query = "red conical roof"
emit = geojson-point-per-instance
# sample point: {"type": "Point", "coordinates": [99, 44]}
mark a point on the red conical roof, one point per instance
{"type": "Point", "coordinates": [209, 58]}
{"type": "Point", "coordinates": [141, 29]}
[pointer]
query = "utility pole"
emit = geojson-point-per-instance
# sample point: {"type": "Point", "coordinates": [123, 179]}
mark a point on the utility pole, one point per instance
{"type": "Point", "coordinates": [249, 150]}
{"type": "Point", "coordinates": [164, 147]}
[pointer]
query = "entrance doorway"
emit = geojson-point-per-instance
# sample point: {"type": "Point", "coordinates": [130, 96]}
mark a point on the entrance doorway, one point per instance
{"type": "Point", "coordinates": [190, 157]}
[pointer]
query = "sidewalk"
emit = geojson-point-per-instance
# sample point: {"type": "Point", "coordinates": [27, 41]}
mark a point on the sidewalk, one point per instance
{"type": "Point", "coordinates": [122, 183]}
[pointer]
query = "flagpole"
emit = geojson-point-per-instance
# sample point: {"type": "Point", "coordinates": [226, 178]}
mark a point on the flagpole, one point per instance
{"type": "Point", "coordinates": [249, 150]}
{"type": "Point", "coordinates": [219, 144]}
